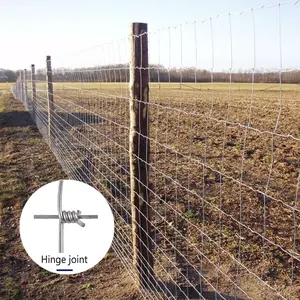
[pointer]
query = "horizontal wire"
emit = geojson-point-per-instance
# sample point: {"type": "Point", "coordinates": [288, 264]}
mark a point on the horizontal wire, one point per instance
{"type": "Point", "coordinates": [217, 209]}
{"type": "Point", "coordinates": [116, 212]}
{"type": "Point", "coordinates": [207, 117]}
{"type": "Point", "coordinates": [167, 257]}
{"type": "Point", "coordinates": [192, 159]}
{"type": "Point", "coordinates": [56, 217]}
{"type": "Point", "coordinates": [221, 248]}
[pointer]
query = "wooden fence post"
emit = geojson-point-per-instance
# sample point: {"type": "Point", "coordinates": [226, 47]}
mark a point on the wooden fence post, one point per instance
{"type": "Point", "coordinates": [49, 97]}
{"type": "Point", "coordinates": [139, 148]}
{"type": "Point", "coordinates": [33, 88]}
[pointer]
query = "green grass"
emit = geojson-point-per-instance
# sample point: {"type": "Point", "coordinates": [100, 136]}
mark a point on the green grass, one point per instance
{"type": "Point", "coordinates": [13, 290]}
{"type": "Point", "coordinates": [2, 107]}
{"type": "Point", "coordinates": [5, 86]}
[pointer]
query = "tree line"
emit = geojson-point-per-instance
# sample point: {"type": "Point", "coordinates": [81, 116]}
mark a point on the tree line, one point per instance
{"type": "Point", "coordinates": [8, 75]}
{"type": "Point", "coordinates": [158, 73]}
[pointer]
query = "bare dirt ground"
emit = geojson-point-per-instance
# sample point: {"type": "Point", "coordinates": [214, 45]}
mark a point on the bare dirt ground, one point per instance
{"type": "Point", "coordinates": [224, 177]}
{"type": "Point", "coordinates": [26, 163]}
{"type": "Point", "coordinates": [224, 182]}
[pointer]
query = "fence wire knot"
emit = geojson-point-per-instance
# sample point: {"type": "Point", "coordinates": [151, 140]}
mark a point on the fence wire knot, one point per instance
{"type": "Point", "coordinates": [64, 216]}
{"type": "Point", "coordinates": [71, 217]}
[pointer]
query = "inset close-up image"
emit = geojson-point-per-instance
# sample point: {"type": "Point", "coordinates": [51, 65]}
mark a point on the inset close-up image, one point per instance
{"type": "Point", "coordinates": [66, 227]}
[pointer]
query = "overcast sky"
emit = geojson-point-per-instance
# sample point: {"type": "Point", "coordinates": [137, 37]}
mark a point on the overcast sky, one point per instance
{"type": "Point", "coordinates": [32, 29]}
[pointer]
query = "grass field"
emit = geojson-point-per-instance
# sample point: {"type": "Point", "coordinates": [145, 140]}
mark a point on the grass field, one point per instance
{"type": "Point", "coordinates": [5, 86]}
{"type": "Point", "coordinates": [224, 177]}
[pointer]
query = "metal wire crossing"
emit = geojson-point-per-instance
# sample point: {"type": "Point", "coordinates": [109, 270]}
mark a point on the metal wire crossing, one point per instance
{"type": "Point", "coordinates": [65, 217]}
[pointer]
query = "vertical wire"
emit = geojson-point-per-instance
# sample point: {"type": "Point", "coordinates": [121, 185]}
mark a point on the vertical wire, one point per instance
{"type": "Point", "coordinates": [165, 221]}
{"type": "Point", "coordinates": [200, 278]}
{"type": "Point", "coordinates": [202, 257]}
{"type": "Point", "coordinates": [126, 105]}
{"type": "Point", "coordinates": [110, 128]}
{"type": "Point", "coordinates": [120, 114]}
{"type": "Point", "coordinates": [107, 110]}
{"type": "Point", "coordinates": [114, 103]}
{"type": "Point", "coordinates": [273, 138]}
{"type": "Point", "coordinates": [147, 142]}
{"type": "Point", "coordinates": [244, 151]}
{"type": "Point", "coordinates": [157, 120]}
{"type": "Point", "coordinates": [280, 70]}
{"type": "Point", "coordinates": [101, 108]}
{"type": "Point", "coordinates": [138, 39]}
{"type": "Point", "coordinates": [204, 165]}
{"type": "Point", "coordinates": [177, 163]}
{"type": "Point", "coordinates": [294, 236]}
{"type": "Point", "coordinates": [294, 212]}
{"type": "Point", "coordinates": [61, 224]}
{"type": "Point", "coordinates": [224, 143]}
{"type": "Point", "coordinates": [98, 121]}
{"type": "Point", "coordinates": [188, 231]}
{"type": "Point", "coordinates": [212, 67]}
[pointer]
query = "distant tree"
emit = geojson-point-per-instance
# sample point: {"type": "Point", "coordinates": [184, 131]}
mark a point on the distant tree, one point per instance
{"type": "Point", "coordinates": [11, 75]}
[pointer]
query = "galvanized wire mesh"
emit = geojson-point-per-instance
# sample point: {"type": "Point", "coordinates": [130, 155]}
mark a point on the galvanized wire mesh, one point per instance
{"type": "Point", "coordinates": [224, 157]}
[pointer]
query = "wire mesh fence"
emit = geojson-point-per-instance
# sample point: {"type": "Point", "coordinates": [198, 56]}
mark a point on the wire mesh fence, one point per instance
{"type": "Point", "coordinates": [220, 217]}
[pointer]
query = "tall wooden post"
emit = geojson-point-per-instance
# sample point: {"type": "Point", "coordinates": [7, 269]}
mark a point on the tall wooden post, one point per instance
{"type": "Point", "coordinates": [139, 147]}
{"type": "Point", "coordinates": [49, 97]}
{"type": "Point", "coordinates": [33, 88]}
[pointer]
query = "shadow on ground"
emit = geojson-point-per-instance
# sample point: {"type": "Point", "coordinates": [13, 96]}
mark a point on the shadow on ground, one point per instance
{"type": "Point", "coordinates": [15, 119]}
{"type": "Point", "coordinates": [23, 119]}
{"type": "Point", "coordinates": [192, 292]}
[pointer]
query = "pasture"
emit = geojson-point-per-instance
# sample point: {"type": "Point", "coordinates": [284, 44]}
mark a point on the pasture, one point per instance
{"type": "Point", "coordinates": [223, 176]}
{"type": "Point", "coordinates": [220, 86]}
{"type": "Point", "coordinates": [5, 86]}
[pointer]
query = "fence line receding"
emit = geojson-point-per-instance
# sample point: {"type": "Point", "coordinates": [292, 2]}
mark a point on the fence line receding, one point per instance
{"type": "Point", "coordinates": [198, 159]}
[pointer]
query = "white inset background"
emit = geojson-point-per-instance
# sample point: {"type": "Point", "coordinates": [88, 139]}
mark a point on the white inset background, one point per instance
{"type": "Point", "coordinates": [41, 236]}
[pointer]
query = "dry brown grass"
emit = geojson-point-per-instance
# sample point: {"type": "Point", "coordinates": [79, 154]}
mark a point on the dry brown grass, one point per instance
{"type": "Point", "coordinates": [224, 170]}
{"type": "Point", "coordinates": [26, 164]}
